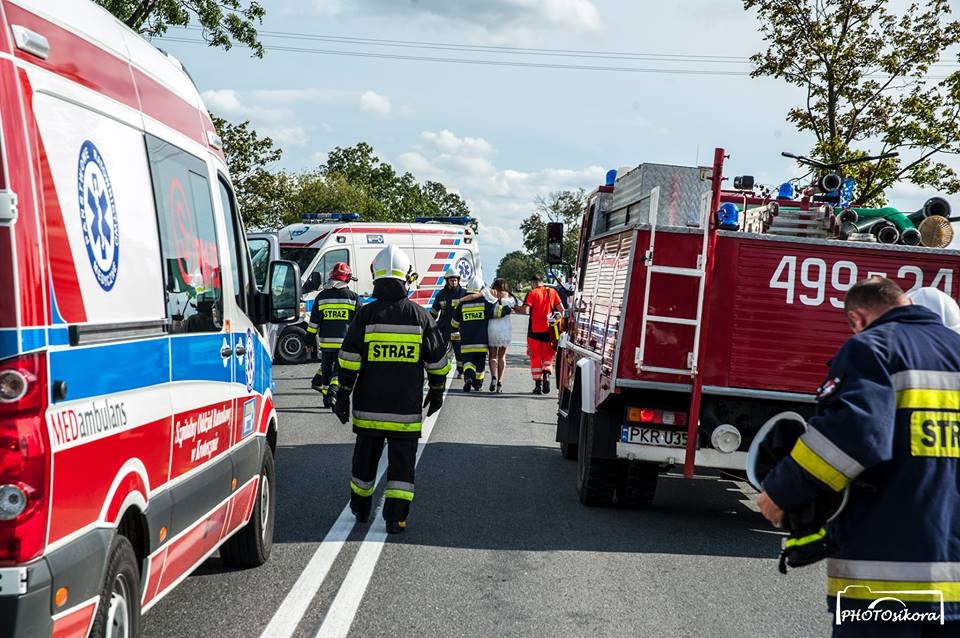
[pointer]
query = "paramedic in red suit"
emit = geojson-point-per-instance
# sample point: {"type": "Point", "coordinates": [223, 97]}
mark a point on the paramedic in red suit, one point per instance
{"type": "Point", "coordinates": [541, 302]}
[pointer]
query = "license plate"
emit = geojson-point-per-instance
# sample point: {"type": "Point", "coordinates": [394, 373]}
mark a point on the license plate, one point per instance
{"type": "Point", "coordinates": [652, 436]}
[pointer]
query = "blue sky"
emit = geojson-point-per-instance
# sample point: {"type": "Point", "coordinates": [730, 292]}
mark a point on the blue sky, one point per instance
{"type": "Point", "coordinates": [502, 135]}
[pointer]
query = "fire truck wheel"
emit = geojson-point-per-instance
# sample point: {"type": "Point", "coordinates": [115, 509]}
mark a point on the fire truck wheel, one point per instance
{"type": "Point", "coordinates": [251, 546]}
{"type": "Point", "coordinates": [292, 345]}
{"type": "Point", "coordinates": [118, 613]}
{"type": "Point", "coordinates": [596, 477]}
{"type": "Point", "coordinates": [568, 450]}
{"type": "Point", "coordinates": [637, 483]}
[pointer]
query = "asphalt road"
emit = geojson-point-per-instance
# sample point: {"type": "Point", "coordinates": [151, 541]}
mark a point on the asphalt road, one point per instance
{"type": "Point", "coordinates": [497, 543]}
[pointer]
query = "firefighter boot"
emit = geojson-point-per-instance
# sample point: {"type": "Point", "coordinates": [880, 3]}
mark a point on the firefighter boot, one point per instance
{"type": "Point", "coordinates": [395, 527]}
{"type": "Point", "coordinates": [360, 506]}
{"type": "Point", "coordinates": [469, 379]}
{"type": "Point", "coordinates": [317, 382]}
{"type": "Point", "coordinates": [330, 398]}
{"type": "Point", "coordinates": [538, 387]}
{"type": "Point", "coordinates": [327, 398]}
{"type": "Point", "coordinates": [546, 383]}
{"type": "Point", "coordinates": [478, 385]}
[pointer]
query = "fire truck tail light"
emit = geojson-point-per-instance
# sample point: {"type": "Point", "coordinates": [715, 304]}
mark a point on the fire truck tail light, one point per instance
{"type": "Point", "coordinates": [659, 417]}
{"type": "Point", "coordinates": [24, 467]}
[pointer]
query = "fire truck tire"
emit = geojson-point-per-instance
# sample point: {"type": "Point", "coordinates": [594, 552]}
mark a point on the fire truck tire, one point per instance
{"type": "Point", "coordinates": [118, 613]}
{"type": "Point", "coordinates": [251, 546]}
{"type": "Point", "coordinates": [637, 483]}
{"type": "Point", "coordinates": [596, 477]}
{"type": "Point", "coordinates": [292, 345]}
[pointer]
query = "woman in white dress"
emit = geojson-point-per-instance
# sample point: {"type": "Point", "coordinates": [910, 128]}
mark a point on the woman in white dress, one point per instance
{"type": "Point", "coordinates": [499, 333]}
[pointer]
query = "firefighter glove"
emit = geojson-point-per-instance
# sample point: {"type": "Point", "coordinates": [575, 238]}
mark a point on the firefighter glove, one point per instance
{"type": "Point", "coordinates": [434, 400]}
{"type": "Point", "coordinates": [342, 406]}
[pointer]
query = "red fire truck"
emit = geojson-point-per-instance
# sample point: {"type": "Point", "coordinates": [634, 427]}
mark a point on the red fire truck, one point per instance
{"type": "Point", "coordinates": [685, 338]}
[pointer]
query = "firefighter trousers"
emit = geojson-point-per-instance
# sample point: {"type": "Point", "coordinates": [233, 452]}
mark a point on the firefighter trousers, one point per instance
{"type": "Point", "coordinates": [475, 361]}
{"type": "Point", "coordinates": [453, 347]}
{"type": "Point", "coordinates": [401, 459]}
{"type": "Point", "coordinates": [329, 369]}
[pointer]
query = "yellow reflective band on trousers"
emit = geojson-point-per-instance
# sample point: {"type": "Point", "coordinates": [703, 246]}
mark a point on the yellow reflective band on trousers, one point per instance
{"type": "Point", "coordinates": [928, 399]}
{"type": "Point", "coordinates": [805, 540]}
{"type": "Point", "coordinates": [401, 494]}
{"type": "Point", "coordinates": [922, 592]}
{"type": "Point", "coordinates": [816, 466]}
{"type": "Point", "coordinates": [389, 426]}
{"type": "Point", "coordinates": [360, 491]}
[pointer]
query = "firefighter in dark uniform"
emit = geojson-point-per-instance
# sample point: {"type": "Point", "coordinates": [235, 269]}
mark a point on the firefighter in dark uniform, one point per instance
{"type": "Point", "coordinates": [887, 430]}
{"type": "Point", "coordinates": [443, 308]}
{"type": "Point", "coordinates": [333, 309]}
{"type": "Point", "coordinates": [389, 345]}
{"type": "Point", "coordinates": [470, 320]}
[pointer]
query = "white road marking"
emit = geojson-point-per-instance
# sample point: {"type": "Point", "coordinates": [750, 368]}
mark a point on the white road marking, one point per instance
{"type": "Point", "coordinates": [294, 606]}
{"type": "Point", "coordinates": [340, 616]}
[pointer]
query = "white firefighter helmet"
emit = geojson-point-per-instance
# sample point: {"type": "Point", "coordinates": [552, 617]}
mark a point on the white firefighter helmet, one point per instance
{"type": "Point", "coordinates": [451, 272]}
{"type": "Point", "coordinates": [391, 263]}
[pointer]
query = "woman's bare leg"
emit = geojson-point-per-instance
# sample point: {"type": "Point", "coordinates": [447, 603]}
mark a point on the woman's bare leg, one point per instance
{"type": "Point", "coordinates": [501, 362]}
{"type": "Point", "coordinates": [492, 361]}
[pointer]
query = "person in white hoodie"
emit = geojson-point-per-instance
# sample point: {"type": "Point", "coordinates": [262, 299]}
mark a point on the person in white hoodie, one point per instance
{"type": "Point", "coordinates": [939, 302]}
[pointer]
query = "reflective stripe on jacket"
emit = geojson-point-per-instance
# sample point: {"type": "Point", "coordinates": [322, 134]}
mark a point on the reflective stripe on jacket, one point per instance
{"type": "Point", "coordinates": [888, 427]}
{"type": "Point", "coordinates": [333, 310]}
{"type": "Point", "coordinates": [383, 358]}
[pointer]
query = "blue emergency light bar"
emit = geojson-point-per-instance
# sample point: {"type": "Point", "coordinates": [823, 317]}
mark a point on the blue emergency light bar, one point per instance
{"type": "Point", "coordinates": [462, 220]}
{"type": "Point", "coordinates": [308, 218]}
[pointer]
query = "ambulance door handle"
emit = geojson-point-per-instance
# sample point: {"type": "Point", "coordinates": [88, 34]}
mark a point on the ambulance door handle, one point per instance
{"type": "Point", "coordinates": [225, 352]}
{"type": "Point", "coordinates": [240, 350]}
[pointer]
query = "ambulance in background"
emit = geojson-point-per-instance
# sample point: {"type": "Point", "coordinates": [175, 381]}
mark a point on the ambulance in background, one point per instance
{"type": "Point", "coordinates": [315, 245]}
{"type": "Point", "coordinates": [137, 426]}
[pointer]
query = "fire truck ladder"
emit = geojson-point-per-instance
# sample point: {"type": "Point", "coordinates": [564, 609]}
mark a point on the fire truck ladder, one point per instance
{"type": "Point", "coordinates": [697, 272]}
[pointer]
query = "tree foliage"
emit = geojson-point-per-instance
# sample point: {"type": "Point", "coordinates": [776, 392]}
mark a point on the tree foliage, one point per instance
{"type": "Point", "coordinates": [561, 206]}
{"type": "Point", "coordinates": [224, 22]}
{"type": "Point", "coordinates": [262, 193]}
{"type": "Point", "coordinates": [518, 267]}
{"type": "Point", "coordinates": [865, 71]}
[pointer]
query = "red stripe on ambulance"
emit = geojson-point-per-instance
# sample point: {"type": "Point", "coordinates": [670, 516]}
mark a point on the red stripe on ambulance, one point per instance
{"type": "Point", "coordinates": [75, 622]}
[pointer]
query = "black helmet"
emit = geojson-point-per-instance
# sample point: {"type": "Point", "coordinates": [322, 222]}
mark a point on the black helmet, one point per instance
{"type": "Point", "coordinates": [807, 541]}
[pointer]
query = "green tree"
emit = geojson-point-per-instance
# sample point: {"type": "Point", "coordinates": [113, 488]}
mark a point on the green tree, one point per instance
{"type": "Point", "coordinates": [561, 206]}
{"type": "Point", "coordinates": [223, 21]}
{"type": "Point", "coordinates": [517, 267]}
{"type": "Point", "coordinates": [316, 193]}
{"type": "Point", "coordinates": [865, 72]}
{"type": "Point", "coordinates": [262, 193]}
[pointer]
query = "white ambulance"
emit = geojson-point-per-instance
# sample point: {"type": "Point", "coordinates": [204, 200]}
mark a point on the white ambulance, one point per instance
{"type": "Point", "coordinates": [137, 425]}
{"type": "Point", "coordinates": [434, 244]}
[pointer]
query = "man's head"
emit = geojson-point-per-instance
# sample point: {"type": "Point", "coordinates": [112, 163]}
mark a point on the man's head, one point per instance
{"type": "Point", "coordinates": [535, 281]}
{"type": "Point", "coordinates": [871, 298]}
{"type": "Point", "coordinates": [452, 278]}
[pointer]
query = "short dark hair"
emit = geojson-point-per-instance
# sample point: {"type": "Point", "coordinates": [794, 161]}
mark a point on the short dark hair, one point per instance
{"type": "Point", "coordinates": [536, 278]}
{"type": "Point", "coordinates": [873, 293]}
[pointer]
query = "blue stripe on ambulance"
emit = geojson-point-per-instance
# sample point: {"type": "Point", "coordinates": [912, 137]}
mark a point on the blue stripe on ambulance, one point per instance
{"type": "Point", "coordinates": [32, 339]}
{"type": "Point", "coordinates": [9, 342]}
{"type": "Point", "coordinates": [97, 370]}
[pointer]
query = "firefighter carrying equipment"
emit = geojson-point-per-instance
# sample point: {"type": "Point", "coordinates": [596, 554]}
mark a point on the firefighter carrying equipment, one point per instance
{"type": "Point", "coordinates": [807, 541]}
{"type": "Point", "coordinates": [887, 426]}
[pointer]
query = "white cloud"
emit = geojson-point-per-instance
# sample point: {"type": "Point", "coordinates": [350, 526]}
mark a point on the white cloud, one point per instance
{"type": "Point", "coordinates": [229, 104]}
{"type": "Point", "coordinates": [288, 136]}
{"type": "Point", "coordinates": [447, 142]}
{"type": "Point", "coordinates": [373, 102]}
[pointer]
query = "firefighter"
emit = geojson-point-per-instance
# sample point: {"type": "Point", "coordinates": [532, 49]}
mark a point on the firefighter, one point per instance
{"type": "Point", "coordinates": [470, 320]}
{"type": "Point", "coordinates": [886, 430]}
{"type": "Point", "coordinates": [333, 309]}
{"type": "Point", "coordinates": [389, 345]}
{"type": "Point", "coordinates": [444, 306]}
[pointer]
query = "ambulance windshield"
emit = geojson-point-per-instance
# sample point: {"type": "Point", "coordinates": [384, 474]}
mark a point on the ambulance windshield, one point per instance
{"type": "Point", "coordinates": [302, 255]}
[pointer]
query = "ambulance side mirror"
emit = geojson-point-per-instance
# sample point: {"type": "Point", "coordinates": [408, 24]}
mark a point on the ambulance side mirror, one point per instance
{"type": "Point", "coordinates": [554, 243]}
{"type": "Point", "coordinates": [284, 281]}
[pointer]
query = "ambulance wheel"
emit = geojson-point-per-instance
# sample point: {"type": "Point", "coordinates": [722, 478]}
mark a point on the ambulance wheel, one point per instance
{"type": "Point", "coordinates": [292, 345]}
{"type": "Point", "coordinates": [118, 613]}
{"type": "Point", "coordinates": [251, 546]}
{"type": "Point", "coordinates": [637, 483]}
{"type": "Point", "coordinates": [596, 477]}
